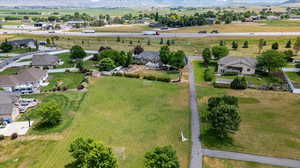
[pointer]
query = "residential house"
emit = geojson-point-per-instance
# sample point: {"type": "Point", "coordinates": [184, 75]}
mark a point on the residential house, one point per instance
{"type": "Point", "coordinates": [45, 61]}
{"type": "Point", "coordinates": [238, 65]}
{"type": "Point", "coordinates": [25, 43]}
{"type": "Point", "coordinates": [273, 18]}
{"type": "Point", "coordinates": [294, 17]}
{"type": "Point", "coordinates": [27, 81]}
{"type": "Point", "coordinates": [8, 106]}
{"type": "Point", "coordinates": [76, 23]}
{"type": "Point", "coordinates": [149, 58]}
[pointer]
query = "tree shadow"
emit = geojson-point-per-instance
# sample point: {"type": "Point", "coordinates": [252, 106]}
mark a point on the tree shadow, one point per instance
{"type": "Point", "coordinates": [211, 140]}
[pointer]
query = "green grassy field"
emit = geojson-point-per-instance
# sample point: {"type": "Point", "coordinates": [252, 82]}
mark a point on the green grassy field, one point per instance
{"type": "Point", "coordinates": [131, 115]}
{"type": "Point", "coordinates": [173, 75]}
{"type": "Point", "coordinates": [65, 57]}
{"type": "Point", "coordinates": [294, 76]}
{"type": "Point", "coordinates": [221, 163]}
{"type": "Point", "coordinates": [71, 80]}
{"type": "Point", "coordinates": [69, 102]}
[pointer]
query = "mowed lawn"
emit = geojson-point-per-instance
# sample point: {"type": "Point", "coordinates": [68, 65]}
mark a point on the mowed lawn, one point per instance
{"type": "Point", "coordinates": [222, 163]}
{"type": "Point", "coordinates": [270, 122]}
{"type": "Point", "coordinates": [130, 115]}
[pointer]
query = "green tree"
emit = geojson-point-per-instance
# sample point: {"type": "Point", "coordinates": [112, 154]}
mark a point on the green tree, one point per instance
{"type": "Point", "coordinates": [288, 44]}
{"type": "Point", "coordinates": [220, 51]}
{"type": "Point", "coordinates": [118, 39]}
{"type": "Point", "coordinates": [246, 44]}
{"type": "Point", "coordinates": [161, 157]}
{"type": "Point", "coordinates": [297, 45]}
{"type": "Point", "coordinates": [177, 59]}
{"type": "Point", "coordinates": [161, 41]}
{"type": "Point", "coordinates": [260, 45]}
{"type": "Point", "coordinates": [164, 54]}
{"type": "Point", "coordinates": [77, 52]}
{"type": "Point", "coordinates": [129, 59]}
{"type": "Point", "coordinates": [149, 42]}
{"type": "Point", "coordinates": [50, 114]}
{"type": "Point", "coordinates": [235, 45]}
{"type": "Point", "coordinates": [289, 54]}
{"type": "Point", "coordinates": [106, 64]}
{"type": "Point", "coordinates": [222, 43]}
{"type": "Point", "coordinates": [138, 49]}
{"type": "Point", "coordinates": [224, 120]}
{"type": "Point", "coordinates": [168, 42]}
{"type": "Point", "coordinates": [91, 154]}
{"type": "Point", "coordinates": [206, 54]}
{"type": "Point", "coordinates": [275, 46]}
{"type": "Point", "coordinates": [239, 83]}
{"type": "Point", "coordinates": [271, 61]}
{"type": "Point", "coordinates": [6, 47]}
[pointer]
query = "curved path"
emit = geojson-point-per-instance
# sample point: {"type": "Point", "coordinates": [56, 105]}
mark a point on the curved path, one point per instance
{"type": "Point", "coordinates": [196, 153]}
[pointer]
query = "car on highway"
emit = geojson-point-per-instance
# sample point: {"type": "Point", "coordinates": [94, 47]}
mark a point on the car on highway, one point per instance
{"type": "Point", "coordinates": [88, 31]}
{"type": "Point", "coordinates": [151, 33]}
{"type": "Point", "coordinates": [215, 31]}
{"type": "Point", "coordinates": [51, 31]}
{"type": "Point", "coordinates": [202, 32]}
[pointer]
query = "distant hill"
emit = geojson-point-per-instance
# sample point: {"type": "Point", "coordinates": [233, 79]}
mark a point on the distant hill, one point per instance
{"type": "Point", "coordinates": [292, 1]}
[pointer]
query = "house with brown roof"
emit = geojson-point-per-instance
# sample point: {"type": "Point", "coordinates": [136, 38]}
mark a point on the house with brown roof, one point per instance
{"type": "Point", "coordinates": [238, 65]}
{"type": "Point", "coordinates": [26, 81]}
{"type": "Point", "coordinates": [8, 106]}
{"type": "Point", "coordinates": [45, 61]}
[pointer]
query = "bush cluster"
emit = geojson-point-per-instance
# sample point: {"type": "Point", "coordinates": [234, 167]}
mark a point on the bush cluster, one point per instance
{"type": "Point", "coordinates": [2, 137]}
{"type": "Point", "coordinates": [132, 75]}
{"type": "Point", "coordinates": [239, 83]}
{"type": "Point", "coordinates": [208, 75]}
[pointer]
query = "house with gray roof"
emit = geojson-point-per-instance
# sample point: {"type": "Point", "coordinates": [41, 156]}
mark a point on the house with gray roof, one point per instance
{"type": "Point", "coordinates": [45, 61]}
{"type": "Point", "coordinates": [238, 65]}
{"type": "Point", "coordinates": [26, 81]}
{"type": "Point", "coordinates": [25, 43]}
{"type": "Point", "coordinates": [150, 58]}
{"type": "Point", "coordinates": [8, 106]}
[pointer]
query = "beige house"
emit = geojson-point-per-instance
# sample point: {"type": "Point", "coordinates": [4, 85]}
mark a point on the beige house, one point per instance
{"type": "Point", "coordinates": [238, 65]}
{"type": "Point", "coordinates": [8, 106]}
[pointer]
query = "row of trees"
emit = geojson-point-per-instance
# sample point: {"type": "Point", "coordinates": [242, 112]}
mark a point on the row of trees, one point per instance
{"type": "Point", "coordinates": [88, 153]}
{"type": "Point", "coordinates": [217, 52]}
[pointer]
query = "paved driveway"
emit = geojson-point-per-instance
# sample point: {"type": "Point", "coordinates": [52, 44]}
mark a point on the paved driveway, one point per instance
{"type": "Point", "coordinates": [20, 128]}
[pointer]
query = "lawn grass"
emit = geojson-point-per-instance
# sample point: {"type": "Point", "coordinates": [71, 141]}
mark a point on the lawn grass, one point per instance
{"type": "Point", "coordinates": [132, 116]}
{"type": "Point", "coordinates": [173, 75]}
{"type": "Point", "coordinates": [14, 154]}
{"type": "Point", "coordinates": [267, 128]}
{"type": "Point", "coordinates": [199, 69]}
{"type": "Point", "coordinates": [258, 80]}
{"type": "Point", "coordinates": [71, 80]}
{"type": "Point", "coordinates": [69, 102]}
{"type": "Point", "coordinates": [222, 163]}
{"type": "Point", "coordinates": [294, 76]}
{"type": "Point", "coordinates": [25, 60]}
{"type": "Point", "coordinates": [11, 71]}
{"type": "Point", "coordinates": [65, 57]}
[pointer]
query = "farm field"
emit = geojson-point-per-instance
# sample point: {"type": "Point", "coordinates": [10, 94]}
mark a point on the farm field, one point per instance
{"type": "Point", "coordinates": [131, 115]}
{"type": "Point", "coordinates": [136, 28]}
{"type": "Point", "coordinates": [221, 163]}
{"type": "Point", "coordinates": [265, 26]}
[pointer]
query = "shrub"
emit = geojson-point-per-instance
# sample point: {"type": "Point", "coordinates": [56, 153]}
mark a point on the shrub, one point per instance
{"type": "Point", "coordinates": [215, 101]}
{"type": "Point", "coordinates": [117, 74]}
{"type": "Point", "coordinates": [239, 83]}
{"type": "Point", "coordinates": [297, 65]}
{"type": "Point", "coordinates": [14, 136]}
{"type": "Point", "coordinates": [149, 77]}
{"type": "Point", "coordinates": [163, 79]}
{"type": "Point", "coordinates": [2, 137]}
{"type": "Point", "coordinates": [208, 75]}
{"type": "Point", "coordinates": [132, 75]}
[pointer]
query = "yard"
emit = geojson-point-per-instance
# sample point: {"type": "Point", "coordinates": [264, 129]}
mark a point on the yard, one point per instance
{"type": "Point", "coordinates": [267, 128]}
{"type": "Point", "coordinates": [294, 77]}
{"type": "Point", "coordinates": [68, 79]}
{"type": "Point", "coordinates": [173, 75]}
{"type": "Point", "coordinates": [131, 115]}
{"type": "Point", "coordinates": [65, 57]}
{"type": "Point", "coordinates": [221, 163]}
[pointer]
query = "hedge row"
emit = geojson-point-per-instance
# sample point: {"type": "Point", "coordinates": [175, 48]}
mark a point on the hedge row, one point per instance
{"type": "Point", "coordinates": [147, 77]}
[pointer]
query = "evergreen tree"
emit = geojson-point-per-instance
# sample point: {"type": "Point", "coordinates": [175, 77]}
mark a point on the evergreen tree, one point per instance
{"type": "Point", "coordinates": [245, 44]}
{"type": "Point", "coordinates": [288, 44]}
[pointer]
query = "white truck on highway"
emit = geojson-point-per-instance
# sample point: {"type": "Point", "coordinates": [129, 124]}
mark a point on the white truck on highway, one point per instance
{"type": "Point", "coordinates": [88, 31]}
{"type": "Point", "coordinates": [150, 33]}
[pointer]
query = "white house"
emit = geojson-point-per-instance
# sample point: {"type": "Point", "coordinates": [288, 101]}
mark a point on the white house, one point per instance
{"type": "Point", "coordinates": [27, 81]}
